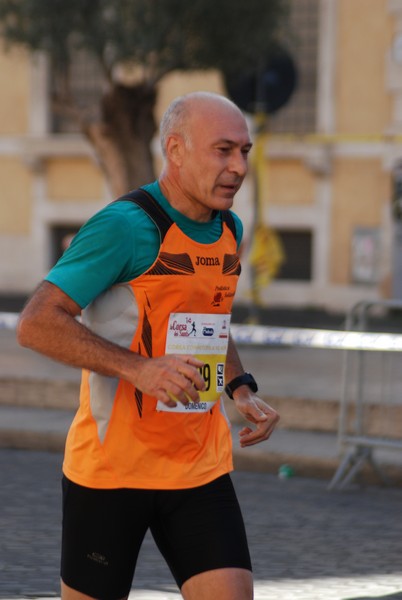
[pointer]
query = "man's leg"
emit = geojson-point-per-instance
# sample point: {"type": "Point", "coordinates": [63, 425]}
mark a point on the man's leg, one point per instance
{"type": "Point", "coordinates": [200, 532]}
{"type": "Point", "coordinates": [102, 534]}
{"type": "Point", "coordinates": [68, 593]}
{"type": "Point", "coordinates": [225, 584]}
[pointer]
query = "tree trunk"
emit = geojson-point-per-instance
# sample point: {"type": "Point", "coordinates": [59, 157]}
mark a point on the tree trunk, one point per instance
{"type": "Point", "coordinates": [122, 139]}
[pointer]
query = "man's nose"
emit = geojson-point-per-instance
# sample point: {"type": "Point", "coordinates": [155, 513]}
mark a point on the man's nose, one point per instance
{"type": "Point", "coordinates": [238, 164]}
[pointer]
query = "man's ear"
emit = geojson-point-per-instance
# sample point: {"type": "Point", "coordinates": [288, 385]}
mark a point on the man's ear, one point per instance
{"type": "Point", "coordinates": [175, 149]}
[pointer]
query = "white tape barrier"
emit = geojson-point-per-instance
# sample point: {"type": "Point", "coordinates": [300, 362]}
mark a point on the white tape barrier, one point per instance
{"type": "Point", "coordinates": [315, 338]}
{"type": "Point", "coordinates": [8, 320]}
{"type": "Point", "coordinates": [261, 335]}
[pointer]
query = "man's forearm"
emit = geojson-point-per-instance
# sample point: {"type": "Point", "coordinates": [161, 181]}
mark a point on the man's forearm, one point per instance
{"type": "Point", "coordinates": [48, 325]}
{"type": "Point", "coordinates": [234, 365]}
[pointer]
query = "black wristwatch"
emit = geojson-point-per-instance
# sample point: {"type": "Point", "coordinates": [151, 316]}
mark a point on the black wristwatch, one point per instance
{"type": "Point", "coordinates": [245, 379]}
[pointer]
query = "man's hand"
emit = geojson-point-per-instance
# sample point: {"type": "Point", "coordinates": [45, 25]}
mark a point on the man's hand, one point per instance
{"type": "Point", "coordinates": [255, 410]}
{"type": "Point", "coordinates": [171, 378]}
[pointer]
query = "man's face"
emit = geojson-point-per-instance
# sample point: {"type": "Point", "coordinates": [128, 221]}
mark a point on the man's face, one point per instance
{"type": "Point", "coordinates": [214, 161]}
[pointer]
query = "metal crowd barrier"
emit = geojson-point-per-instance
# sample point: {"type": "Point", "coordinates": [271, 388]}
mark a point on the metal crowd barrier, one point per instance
{"type": "Point", "coordinates": [368, 418]}
{"type": "Point", "coordinates": [370, 415]}
{"type": "Point", "coordinates": [371, 399]}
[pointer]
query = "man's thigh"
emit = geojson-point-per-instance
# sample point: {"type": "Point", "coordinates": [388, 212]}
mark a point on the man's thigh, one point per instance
{"type": "Point", "coordinates": [102, 534]}
{"type": "Point", "coordinates": [201, 530]}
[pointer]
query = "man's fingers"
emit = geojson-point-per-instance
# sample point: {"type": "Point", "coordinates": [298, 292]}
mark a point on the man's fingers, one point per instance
{"type": "Point", "coordinates": [248, 437]}
{"type": "Point", "coordinates": [189, 367]}
{"type": "Point", "coordinates": [166, 398]}
{"type": "Point", "coordinates": [191, 360]}
{"type": "Point", "coordinates": [265, 425]}
{"type": "Point", "coordinates": [183, 385]}
{"type": "Point", "coordinates": [182, 390]}
{"type": "Point", "coordinates": [173, 378]}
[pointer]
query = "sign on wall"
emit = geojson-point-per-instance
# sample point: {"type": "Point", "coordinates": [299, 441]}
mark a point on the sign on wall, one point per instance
{"type": "Point", "coordinates": [365, 255]}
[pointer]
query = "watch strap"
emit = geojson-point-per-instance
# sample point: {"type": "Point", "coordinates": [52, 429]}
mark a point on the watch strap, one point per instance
{"type": "Point", "coordinates": [245, 379]}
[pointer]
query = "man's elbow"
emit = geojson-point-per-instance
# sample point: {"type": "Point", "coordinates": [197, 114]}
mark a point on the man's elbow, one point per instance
{"type": "Point", "coordinates": [25, 330]}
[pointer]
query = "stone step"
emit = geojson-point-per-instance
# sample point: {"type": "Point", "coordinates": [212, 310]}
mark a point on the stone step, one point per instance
{"type": "Point", "coordinates": [299, 414]}
{"type": "Point", "coordinates": [296, 413]}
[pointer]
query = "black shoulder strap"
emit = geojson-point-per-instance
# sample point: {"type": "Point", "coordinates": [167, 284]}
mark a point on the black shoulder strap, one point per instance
{"type": "Point", "coordinates": [161, 219]}
{"type": "Point", "coordinates": [153, 209]}
{"type": "Point", "coordinates": [227, 218]}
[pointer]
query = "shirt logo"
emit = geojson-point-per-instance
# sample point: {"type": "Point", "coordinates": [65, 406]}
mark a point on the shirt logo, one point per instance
{"type": "Point", "coordinates": [207, 261]}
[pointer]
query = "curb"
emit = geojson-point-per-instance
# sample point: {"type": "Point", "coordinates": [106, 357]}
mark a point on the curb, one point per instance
{"type": "Point", "coordinates": [19, 439]}
{"type": "Point", "coordinates": [311, 467]}
{"type": "Point", "coordinates": [244, 459]}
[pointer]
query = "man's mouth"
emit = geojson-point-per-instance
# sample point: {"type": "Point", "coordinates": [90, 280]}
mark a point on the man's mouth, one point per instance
{"type": "Point", "coordinates": [232, 187]}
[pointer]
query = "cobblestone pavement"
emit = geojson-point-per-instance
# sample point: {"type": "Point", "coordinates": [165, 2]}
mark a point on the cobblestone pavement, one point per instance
{"type": "Point", "coordinates": [306, 542]}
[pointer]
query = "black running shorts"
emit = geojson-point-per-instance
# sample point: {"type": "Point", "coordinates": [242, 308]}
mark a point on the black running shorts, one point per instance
{"type": "Point", "coordinates": [196, 530]}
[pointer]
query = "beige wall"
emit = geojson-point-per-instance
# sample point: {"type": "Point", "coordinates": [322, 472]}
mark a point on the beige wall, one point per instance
{"type": "Point", "coordinates": [364, 35]}
{"type": "Point", "coordinates": [16, 192]}
{"type": "Point", "coordinates": [288, 183]}
{"type": "Point", "coordinates": [73, 179]}
{"type": "Point", "coordinates": [14, 92]}
{"type": "Point", "coordinates": [361, 188]}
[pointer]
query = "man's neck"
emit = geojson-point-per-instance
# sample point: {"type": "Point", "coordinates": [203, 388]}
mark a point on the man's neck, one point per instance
{"type": "Point", "coordinates": [179, 201]}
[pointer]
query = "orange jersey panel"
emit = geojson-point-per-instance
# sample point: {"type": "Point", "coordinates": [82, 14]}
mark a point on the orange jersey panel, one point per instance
{"type": "Point", "coordinates": [119, 438]}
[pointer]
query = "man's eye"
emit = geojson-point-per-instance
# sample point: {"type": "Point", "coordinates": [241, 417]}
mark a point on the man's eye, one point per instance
{"type": "Point", "coordinates": [224, 149]}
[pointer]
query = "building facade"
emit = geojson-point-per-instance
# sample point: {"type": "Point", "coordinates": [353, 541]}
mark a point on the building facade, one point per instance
{"type": "Point", "coordinates": [328, 173]}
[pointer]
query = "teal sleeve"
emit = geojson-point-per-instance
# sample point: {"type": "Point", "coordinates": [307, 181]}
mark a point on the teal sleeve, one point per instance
{"type": "Point", "coordinates": [105, 252]}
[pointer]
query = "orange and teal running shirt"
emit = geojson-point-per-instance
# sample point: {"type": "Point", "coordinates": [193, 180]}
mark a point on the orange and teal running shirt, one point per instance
{"type": "Point", "coordinates": [119, 243]}
{"type": "Point", "coordinates": [121, 437]}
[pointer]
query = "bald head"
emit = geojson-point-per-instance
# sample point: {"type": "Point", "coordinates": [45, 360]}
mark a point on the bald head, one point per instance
{"type": "Point", "coordinates": [205, 142]}
{"type": "Point", "coordinates": [177, 117]}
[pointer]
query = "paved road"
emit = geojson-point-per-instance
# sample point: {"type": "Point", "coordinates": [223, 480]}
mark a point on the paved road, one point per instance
{"type": "Point", "coordinates": [306, 543]}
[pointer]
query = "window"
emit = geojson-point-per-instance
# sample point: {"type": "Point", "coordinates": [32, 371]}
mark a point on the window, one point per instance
{"type": "Point", "coordinates": [87, 81]}
{"type": "Point", "coordinates": [297, 249]}
{"type": "Point", "coordinates": [60, 239]}
{"type": "Point", "coordinates": [299, 114]}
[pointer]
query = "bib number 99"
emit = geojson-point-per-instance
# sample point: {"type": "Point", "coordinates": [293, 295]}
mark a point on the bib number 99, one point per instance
{"type": "Point", "coordinates": [205, 372]}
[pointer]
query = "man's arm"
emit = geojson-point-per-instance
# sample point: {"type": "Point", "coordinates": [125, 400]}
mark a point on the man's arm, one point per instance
{"type": "Point", "coordinates": [249, 405]}
{"type": "Point", "coordinates": [48, 325]}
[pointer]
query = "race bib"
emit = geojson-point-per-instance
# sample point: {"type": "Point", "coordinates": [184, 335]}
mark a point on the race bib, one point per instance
{"type": "Point", "coordinates": [206, 337]}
